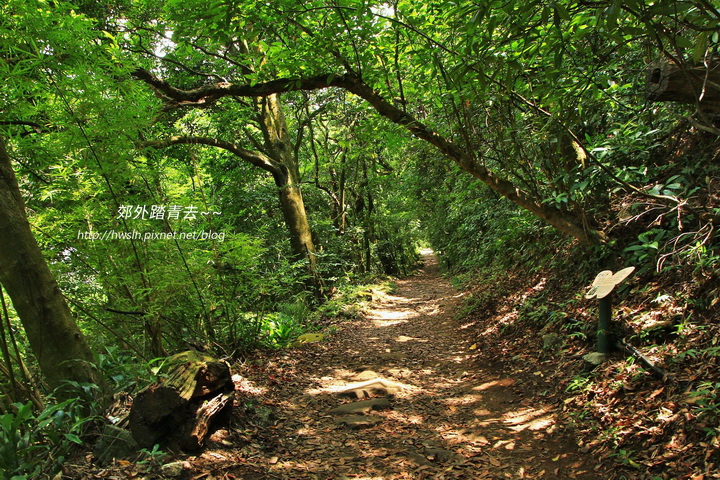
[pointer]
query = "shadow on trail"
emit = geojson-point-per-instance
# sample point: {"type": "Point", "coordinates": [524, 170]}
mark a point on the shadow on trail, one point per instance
{"type": "Point", "coordinates": [450, 417]}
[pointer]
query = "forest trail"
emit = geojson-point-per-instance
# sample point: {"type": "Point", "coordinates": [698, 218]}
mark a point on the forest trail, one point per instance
{"type": "Point", "coordinates": [456, 415]}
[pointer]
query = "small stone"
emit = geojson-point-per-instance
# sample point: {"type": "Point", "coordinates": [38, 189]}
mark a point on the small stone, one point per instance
{"type": "Point", "coordinates": [357, 422]}
{"type": "Point", "coordinates": [363, 406]}
{"type": "Point", "coordinates": [438, 454]}
{"type": "Point", "coordinates": [308, 338]}
{"type": "Point", "coordinates": [550, 340]}
{"type": "Point", "coordinates": [173, 469]}
{"type": "Point", "coordinates": [418, 459]}
{"type": "Point", "coordinates": [368, 388]}
{"type": "Point", "coordinates": [595, 358]}
{"type": "Point", "coordinates": [365, 375]}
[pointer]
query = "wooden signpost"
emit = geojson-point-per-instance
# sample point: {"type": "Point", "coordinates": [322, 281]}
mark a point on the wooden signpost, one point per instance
{"type": "Point", "coordinates": [601, 288]}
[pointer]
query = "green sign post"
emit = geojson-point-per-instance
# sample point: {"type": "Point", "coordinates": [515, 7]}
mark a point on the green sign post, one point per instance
{"type": "Point", "coordinates": [601, 288]}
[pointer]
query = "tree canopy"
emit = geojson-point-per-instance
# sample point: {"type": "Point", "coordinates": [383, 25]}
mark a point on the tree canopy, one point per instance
{"type": "Point", "coordinates": [217, 173]}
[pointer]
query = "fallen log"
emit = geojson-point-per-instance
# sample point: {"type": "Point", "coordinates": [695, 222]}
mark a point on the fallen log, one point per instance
{"type": "Point", "coordinates": [180, 408]}
{"type": "Point", "coordinates": [668, 82]}
{"type": "Point", "coordinates": [204, 416]}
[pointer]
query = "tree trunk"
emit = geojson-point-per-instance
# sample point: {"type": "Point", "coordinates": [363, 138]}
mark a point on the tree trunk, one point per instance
{"type": "Point", "coordinates": [58, 344]}
{"type": "Point", "coordinates": [295, 217]}
{"type": "Point", "coordinates": [153, 331]}
{"type": "Point", "coordinates": [287, 179]}
{"type": "Point", "coordinates": [667, 82]}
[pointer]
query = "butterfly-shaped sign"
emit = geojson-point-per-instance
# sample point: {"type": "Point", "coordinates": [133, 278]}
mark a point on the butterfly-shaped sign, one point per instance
{"type": "Point", "coordinates": [606, 281]}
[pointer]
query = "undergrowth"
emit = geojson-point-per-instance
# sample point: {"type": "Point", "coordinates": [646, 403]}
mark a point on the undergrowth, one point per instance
{"type": "Point", "coordinates": [655, 429]}
{"type": "Point", "coordinates": [34, 443]}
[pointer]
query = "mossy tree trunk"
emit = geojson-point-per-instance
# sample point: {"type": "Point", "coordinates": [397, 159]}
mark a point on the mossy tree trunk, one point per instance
{"type": "Point", "coordinates": [180, 408]}
{"type": "Point", "coordinates": [55, 339]}
{"type": "Point", "coordinates": [287, 178]}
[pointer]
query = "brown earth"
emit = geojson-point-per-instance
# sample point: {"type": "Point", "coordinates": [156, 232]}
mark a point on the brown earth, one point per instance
{"type": "Point", "coordinates": [456, 413]}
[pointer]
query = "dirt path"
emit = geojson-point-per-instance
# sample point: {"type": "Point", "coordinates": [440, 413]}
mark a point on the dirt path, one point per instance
{"type": "Point", "coordinates": [456, 415]}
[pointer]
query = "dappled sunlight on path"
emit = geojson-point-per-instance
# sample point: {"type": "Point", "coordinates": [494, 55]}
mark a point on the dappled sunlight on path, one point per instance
{"type": "Point", "coordinates": [427, 407]}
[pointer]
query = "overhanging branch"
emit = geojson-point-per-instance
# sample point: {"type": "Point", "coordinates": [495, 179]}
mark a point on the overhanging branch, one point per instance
{"type": "Point", "coordinates": [563, 221]}
{"type": "Point", "coordinates": [36, 127]}
{"type": "Point", "coordinates": [255, 158]}
{"type": "Point", "coordinates": [211, 93]}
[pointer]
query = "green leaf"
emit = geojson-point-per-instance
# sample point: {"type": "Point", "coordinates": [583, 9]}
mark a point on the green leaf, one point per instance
{"type": "Point", "coordinates": [74, 438]}
{"type": "Point", "coordinates": [701, 45]}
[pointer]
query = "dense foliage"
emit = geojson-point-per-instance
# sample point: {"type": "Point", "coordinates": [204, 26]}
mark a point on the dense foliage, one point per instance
{"type": "Point", "coordinates": [209, 174]}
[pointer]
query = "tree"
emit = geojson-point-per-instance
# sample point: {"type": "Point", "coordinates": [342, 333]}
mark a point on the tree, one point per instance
{"type": "Point", "coordinates": [61, 350]}
{"type": "Point", "coordinates": [518, 94]}
{"type": "Point", "coordinates": [278, 159]}
{"type": "Point", "coordinates": [275, 153]}
{"type": "Point", "coordinates": [344, 47]}
{"type": "Point", "coordinates": [359, 167]}
{"type": "Point", "coordinates": [37, 40]}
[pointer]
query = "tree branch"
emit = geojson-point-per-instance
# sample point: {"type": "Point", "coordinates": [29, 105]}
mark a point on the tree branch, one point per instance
{"type": "Point", "coordinates": [210, 93]}
{"type": "Point", "coordinates": [255, 158]}
{"type": "Point", "coordinates": [36, 127]}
